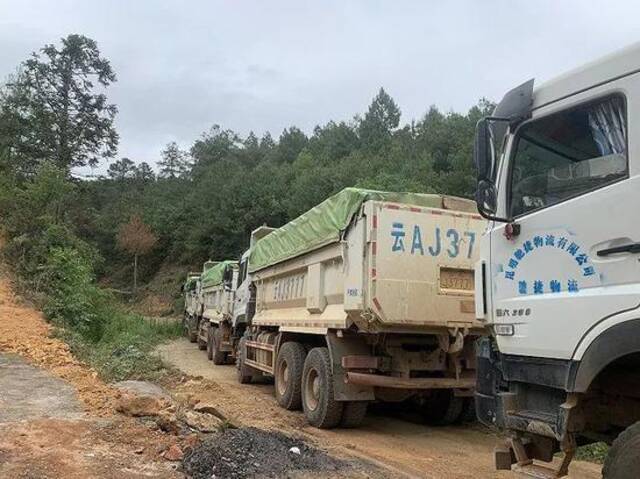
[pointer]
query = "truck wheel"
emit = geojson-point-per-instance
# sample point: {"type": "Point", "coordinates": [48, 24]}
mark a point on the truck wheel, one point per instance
{"type": "Point", "coordinates": [192, 332]}
{"type": "Point", "coordinates": [442, 408]}
{"type": "Point", "coordinates": [218, 356]}
{"type": "Point", "coordinates": [623, 461]}
{"type": "Point", "coordinates": [353, 413]}
{"type": "Point", "coordinates": [210, 343]}
{"type": "Point", "coordinates": [318, 402]}
{"type": "Point", "coordinates": [243, 372]}
{"type": "Point", "coordinates": [288, 377]}
{"type": "Point", "coordinates": [202, 345]}
{"type": "Point", "coordinates": [468, 414]}
{"type": "Point", "coordinates": [185, 326]}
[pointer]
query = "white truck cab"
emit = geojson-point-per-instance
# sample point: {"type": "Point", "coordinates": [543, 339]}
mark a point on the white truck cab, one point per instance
{"type": "Point", "coordinates": [558, 282]}
{"type": "Point", "coordinates": [244, 302]}
{"type": "Point", "coordinates": [192, 305]}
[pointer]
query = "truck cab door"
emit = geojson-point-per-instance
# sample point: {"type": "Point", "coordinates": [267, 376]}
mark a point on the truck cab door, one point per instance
{"type": "Point", "coordinates": [242, 294]}
{"type": "Point", "coordinates": [570, 185]}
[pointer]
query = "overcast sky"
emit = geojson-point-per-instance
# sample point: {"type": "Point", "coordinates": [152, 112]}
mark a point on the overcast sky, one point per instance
{"type": "Point", "coordinates": [265, 65]}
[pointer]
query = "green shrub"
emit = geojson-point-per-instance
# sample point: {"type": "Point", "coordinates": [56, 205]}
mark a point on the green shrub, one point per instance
{"type": "Point", "coordinates": [57, 268]}
{"type": "Point", "coordinates": [73, 299]}
{"type": "Point", "coordinates": [118, 344]}
{"type": "Point", "coordinates": [595, 452]}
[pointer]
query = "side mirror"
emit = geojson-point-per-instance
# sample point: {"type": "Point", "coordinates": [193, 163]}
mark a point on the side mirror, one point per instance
{"type": "Point", "coordinates": [482, 154]}
{"type": "Point", "coordinates": [486, 197]}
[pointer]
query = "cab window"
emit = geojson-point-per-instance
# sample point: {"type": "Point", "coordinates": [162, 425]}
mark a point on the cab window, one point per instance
{"type": "Point", "coordinates": [567, 154]}
{"type": "Point", "coordinates": [242, 272]}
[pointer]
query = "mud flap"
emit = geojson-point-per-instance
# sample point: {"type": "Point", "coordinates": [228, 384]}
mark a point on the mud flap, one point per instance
{"type": "Point", "coordinates": [489, 408]}
{"type": "Point", "coordinates": [344, 346]}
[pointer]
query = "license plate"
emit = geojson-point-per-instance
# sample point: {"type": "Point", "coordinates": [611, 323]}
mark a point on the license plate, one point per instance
{"type": "Point", "coordinates": [456, 281]}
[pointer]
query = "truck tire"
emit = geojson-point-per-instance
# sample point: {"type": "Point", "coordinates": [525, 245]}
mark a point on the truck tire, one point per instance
{"type": "Point", "coordinates": [210, 343]}
{"type": "Point", "coordinates": [623, 460]}
{"type": "Point", "coordinates": [442, 408]}
{"type": "Point", "coordinates": [468, 414]}
{"type": "Point", "coordinates": [192, 332]}
{"type": "Point", "coordinates": [202, 345]}
{"type": "Point", "coordinates": [318, 401]}
{"type": "Point", "coordinates": [185, 326]}
{"type": "Point", "coordinates": [219, 357]}
{"type": "Point", "coordinates": [243, 372]}
{"type": "Point", "coordinates": [353, 413]}
{"type": "Point", "coordinates": [288, 375]}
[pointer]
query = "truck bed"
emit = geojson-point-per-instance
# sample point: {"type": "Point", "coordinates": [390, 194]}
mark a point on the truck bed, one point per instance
{"type": "Point", "coordinates": [421, 265]}
{"type": "Point", "coordinates": [398, 267]}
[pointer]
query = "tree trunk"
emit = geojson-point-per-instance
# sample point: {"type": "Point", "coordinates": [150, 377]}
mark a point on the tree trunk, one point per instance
{"type": "Point", "coordinates": [135, 274]}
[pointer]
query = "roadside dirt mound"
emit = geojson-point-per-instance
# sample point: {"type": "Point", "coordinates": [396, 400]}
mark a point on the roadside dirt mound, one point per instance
{"type": "Point", "coordinates": [25, 332]}
{"type": "Point", "coordinates": [250, 452]}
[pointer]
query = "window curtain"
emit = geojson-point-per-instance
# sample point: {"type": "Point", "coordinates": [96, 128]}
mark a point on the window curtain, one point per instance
{"type": "Point", "coordinates": [608, 126]}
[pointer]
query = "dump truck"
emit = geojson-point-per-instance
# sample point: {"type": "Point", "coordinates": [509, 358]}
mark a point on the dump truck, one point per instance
{"type": "Point", "coordinates": [191, 291]}
{"type": "Point", "coordinates": [558, 280]}
{"type": "Point", "coordinates": [368, 296]}
{"type": "Point", "coordinates": [218, 285]}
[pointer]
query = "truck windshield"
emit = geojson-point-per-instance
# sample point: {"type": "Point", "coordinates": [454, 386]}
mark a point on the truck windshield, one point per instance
{"type": "Point", "coordinates": [567, 154]}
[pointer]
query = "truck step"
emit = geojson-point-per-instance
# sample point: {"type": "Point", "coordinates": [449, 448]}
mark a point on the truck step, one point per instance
{"type": "Point", "coordinates": [538, 471]}
{"type": "Point", "coordinates": [524, 464]}
{"type": "Point", "coordinates": [541, 416]}
{"type": "Point", "coordinates": [524, 420]}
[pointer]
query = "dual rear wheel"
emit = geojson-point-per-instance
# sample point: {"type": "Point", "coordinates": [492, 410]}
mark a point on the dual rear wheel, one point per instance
{"type": "Point", "coordinates": [306, 381]}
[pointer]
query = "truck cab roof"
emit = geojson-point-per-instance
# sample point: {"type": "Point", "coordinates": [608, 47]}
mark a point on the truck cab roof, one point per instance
{"type": "Point", "coordinates": [615, 65]}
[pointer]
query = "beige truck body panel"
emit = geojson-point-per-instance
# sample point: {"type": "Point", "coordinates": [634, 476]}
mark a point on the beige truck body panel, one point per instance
{"type": "Point", "coordinates": [218, 301]}
{"type": "Point", "coordinates": [399, 268]}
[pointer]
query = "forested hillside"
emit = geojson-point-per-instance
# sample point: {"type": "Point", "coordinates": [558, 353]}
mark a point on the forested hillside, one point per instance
{"type": "Point", "coordinates": [200, 202]}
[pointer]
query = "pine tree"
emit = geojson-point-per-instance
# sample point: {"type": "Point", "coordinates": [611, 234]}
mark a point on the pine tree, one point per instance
{"type": "Point", "coordinates": [56, 110]}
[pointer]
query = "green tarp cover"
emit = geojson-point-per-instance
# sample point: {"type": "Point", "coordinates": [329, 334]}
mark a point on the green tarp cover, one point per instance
{"type": "Point", "coordinates": [214, 275]}
{"type": "Point", "coordinates": [324, 224]}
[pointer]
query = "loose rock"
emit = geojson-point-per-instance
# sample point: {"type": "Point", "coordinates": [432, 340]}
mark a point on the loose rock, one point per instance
{"type": "Point", "coordinates": [167, 422]}
{"type": "Point", "coordinates": [174, 453]}
{"type": "Point", "coordinates": [202, 422]}
{"type": "Point", "coordinates": [135, 405]}
{"type": "Point", "coordinates": [143, 388]}
{"type": "Point", "coordinates": [208, 409]}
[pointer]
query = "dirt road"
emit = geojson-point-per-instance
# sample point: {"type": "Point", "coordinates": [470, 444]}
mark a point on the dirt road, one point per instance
{"type": "Point", "coordinates": [403, 447]}
{"type": "Point", "coordinates": [56, 416]}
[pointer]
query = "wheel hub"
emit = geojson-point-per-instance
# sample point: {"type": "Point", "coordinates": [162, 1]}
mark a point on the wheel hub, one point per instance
{"type": "Point", "coordinates": [312, 390]}
{"type": "Point", "coordinates": [283, 378]}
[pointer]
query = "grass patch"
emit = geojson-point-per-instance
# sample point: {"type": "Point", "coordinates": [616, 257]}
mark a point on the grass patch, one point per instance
{"type": "Point", "coordinates": [117, 343]}
{"type": "Point", "coordinates": [125, 350]}
{"type": "Point", "coordinates": [595, 452]}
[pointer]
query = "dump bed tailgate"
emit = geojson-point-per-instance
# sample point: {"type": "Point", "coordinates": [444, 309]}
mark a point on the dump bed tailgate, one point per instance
{"type": "Point", "coordinates": [421, 265]}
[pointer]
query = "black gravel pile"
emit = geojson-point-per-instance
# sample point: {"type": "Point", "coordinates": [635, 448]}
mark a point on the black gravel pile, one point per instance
{"type": "Point", "coordinates": [250, 452]}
